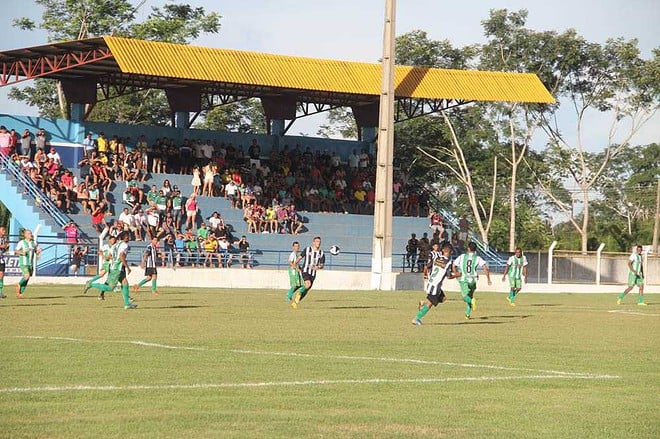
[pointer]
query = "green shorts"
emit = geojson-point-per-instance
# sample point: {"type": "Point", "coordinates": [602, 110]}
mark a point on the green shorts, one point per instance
{"type": "Point", "coordinates": [27, 270]}
{"type": "Point", "coordinates": [115, 277]}
{"type": "Point", "coordinates": [294, 278]}
{"type": "Point", "coordinates": [468, 288]}
{"type": "Point", "coordinates": [515, 283]}
{"type": "Point", "coordinates": [106, 266]}
{"type": "Point", "coordinates": [635, 280]}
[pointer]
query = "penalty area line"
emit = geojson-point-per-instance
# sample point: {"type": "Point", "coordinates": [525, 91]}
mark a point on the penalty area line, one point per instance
{"type": "Point", "coordinates": [634, 313]}
{"type": "Point", "coordinates": [79, 388]}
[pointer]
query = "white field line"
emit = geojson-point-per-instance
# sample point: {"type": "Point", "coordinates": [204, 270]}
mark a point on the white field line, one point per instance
{"type": "Point", "coordinates": [290, 383]}
{"type": "Point", "coordinates": [342, 357]}
{"type": "Point", "coordinates": [635, 313]}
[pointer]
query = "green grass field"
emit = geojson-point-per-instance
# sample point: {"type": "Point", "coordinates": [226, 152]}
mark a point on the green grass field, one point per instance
{"type": "Point", "coordinates": [241, 363]}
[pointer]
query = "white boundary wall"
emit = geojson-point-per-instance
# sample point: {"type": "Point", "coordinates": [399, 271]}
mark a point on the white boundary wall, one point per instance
{"type": "Point", "coordinates": [325, 280]}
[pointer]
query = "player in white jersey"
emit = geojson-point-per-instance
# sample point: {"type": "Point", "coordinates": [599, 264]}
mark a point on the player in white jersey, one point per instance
{"type": "Point", "coordinates": [516, 268]}
{"type": "Point", "coordinates": [440, 270]}
{"type": "Point", "coordinates": [313, 259]}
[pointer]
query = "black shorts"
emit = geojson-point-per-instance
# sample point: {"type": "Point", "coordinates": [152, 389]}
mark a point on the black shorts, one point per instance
{"type": "Point", "coordinates": [437, 298]}
{"type": "Point", "coordinates": [122, 275]}
{"type": "Point", "coordinates": [2, 267]}
{"type": "Point", "coordinates": [308, 277]}
{"type": "Point", "coordinates": [150, 271]}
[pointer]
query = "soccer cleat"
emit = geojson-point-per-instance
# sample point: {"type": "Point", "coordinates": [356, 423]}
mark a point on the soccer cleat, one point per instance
{"type": "Point", "coordinates": [131, 306]}
{"type": "Point", "coordinates": [102, 295]}
{"type": "Point", "coordinates": [641, 304]}
{"type": "Point", "coordinates": [87, 287]}
{"type": "Point", "coordinates": [294, 304]}
{"type": "Point", "coordinates": [619, 301]}
{"type": "Point", "coordinates": [467, 316]}
{"type": "Point", "coordinates": [2, 296]}
{"type": "Point", "coordinates": [417, 322]}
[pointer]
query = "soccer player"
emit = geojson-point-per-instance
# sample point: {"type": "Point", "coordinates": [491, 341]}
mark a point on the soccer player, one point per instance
{"type": "Point", "coordinates": [516, 268]}
{"type": "Point", "coordinates": [4, 246]}
{"type": "Point", "coordinates": [119, 269]}
{"type": "Point", "coordinates": [635, 277]}
{"type": "Point", "coordinates": [106, 257]}
{"type": "Point", "coordinates": [313, 259]}
{"type": "Point", "coordinates": [26, 249]}
{"type": "Point", "coordinates": [468, 263]}
{"type": "Point", "coordinates": [295, 279]}
{"type": "Point", "coordinates": [440, 270]}
{"type": "Point", "coordinates": [149, 258]}
{"type": "Point", "coordinates": [434, 254]}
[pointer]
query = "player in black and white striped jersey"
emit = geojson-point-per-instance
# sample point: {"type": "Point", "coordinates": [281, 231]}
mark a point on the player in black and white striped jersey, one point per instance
{"type": "Point", "coordinates": [149, 260]}
{"type": "Point", "coordinates": [313, 259]}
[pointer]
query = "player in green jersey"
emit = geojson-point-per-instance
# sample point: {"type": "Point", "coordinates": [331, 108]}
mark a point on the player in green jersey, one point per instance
{"type": "Point", "coordinates": [119, 270]}
{"type": "Point", "coordinates": [4, 246]}
{"type": "Point", "coordinates": [27, 251]}
{"type": "Point", "coordinates": [635, 276]}
{"type": "Point", "coordinates": [106, 258]}
{"type": "Point", "coordinates": [465, 269]}
{"type": "Point", "coordinates": [295, 278]}
{"type": "Point", "coordinates": [516, 268]}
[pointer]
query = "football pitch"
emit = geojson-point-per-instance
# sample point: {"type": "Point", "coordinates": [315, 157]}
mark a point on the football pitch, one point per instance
{"type": "Point", "coordinates": [200, 363]}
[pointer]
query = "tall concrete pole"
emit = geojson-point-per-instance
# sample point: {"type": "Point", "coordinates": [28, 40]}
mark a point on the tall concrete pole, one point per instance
{"type": "Point", "coordinates": [656, 222]}
{"type": "Point", "coordinates": [381, 263]}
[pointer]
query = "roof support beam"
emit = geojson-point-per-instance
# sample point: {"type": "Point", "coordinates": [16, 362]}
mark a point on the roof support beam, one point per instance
{"type": "Point", "coordinates": [14, 71]}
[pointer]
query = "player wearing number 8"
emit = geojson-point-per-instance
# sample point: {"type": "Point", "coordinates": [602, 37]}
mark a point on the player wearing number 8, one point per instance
{"type": "Point", "coordinates": [27, 250]}
{"type": "Point", "coordinates": [465, 268]}
{"type": "Point", "coordinates": [516, 268]}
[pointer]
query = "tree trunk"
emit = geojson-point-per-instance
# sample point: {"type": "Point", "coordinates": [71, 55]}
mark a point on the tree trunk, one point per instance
{"type": "Point", "coordinates": [585, 217]}
{"type": "Point", "coordinates": [512, 207]}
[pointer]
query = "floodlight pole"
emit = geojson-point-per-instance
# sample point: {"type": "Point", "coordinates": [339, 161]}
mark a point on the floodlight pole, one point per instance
{"type": "Point", "coordinates": [381, 262]}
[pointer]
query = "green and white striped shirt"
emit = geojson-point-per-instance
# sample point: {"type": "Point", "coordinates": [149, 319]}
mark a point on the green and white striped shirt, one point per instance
{"type": "Point", "coordinates": [516, 266]}
{"type": "Point", "coordinates": [29, 247]}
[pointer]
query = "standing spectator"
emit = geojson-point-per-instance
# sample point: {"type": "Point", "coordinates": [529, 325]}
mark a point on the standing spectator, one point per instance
{"type": "Point", "coordinates": [436, 223]}
{"type": "Point", "coordinates": [191, 211]}
{"type": "Point", "coordinates": [89, 145]}
{"type": "Point", "coordinates": [13, 140]}
{"type": "Point", "coordinates": [41, 139]}
{"type": "Point", "coordinates": [463, 227]}
{"type": "Point", "coordinates": [98, 217]}
{"type": "Point", "coordinates": [411, 252]}
{"type": "Point", "coordinates": [77, 257]}
{"type": "Point", "coordinates": [5, 139]}
{"type": "Point", "coordinates": [71, 232]}
{"type": "Point", "coordinates": [26, 144]}
{"type": "Point", "coordinates": [196, 182]}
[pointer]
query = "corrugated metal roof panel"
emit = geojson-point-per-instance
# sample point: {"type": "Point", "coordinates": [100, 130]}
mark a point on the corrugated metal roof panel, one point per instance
{"type": "Point", "coordinates": [259, 69]}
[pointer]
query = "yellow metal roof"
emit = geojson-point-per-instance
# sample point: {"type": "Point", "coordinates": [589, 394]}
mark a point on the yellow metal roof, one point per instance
{"type": "Point", "coordinates": [289, 72]}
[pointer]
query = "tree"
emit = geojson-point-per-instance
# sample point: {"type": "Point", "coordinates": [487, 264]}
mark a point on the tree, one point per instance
{"type": "Point", "coordinates": [70, 20]}
{"type": "Point", "coordinates": [610, 78]}
{"type": "Point", "coordinates": [245, 116]}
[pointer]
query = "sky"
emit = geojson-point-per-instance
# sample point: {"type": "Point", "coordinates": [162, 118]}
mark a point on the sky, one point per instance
{"type": "Point", "coordinates": [353, 30]}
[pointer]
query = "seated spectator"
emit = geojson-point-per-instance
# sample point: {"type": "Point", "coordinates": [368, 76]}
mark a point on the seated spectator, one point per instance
{"type": "Point", "coordinates": [223, 252]}
{"type": "Point", "coordinates": [210, 245]}
{"type": "Point", "coordinates": [244, 250]}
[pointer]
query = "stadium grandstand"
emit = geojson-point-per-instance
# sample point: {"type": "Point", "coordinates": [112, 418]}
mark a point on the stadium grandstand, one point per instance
{"type": "Point", "coordinates": [77, 178]}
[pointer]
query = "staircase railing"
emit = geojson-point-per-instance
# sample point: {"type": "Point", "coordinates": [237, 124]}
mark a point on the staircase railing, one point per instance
{"type": "Point", "coordinates": [30, 188]}
{"type": "Point", "coordinates": [449, 217]}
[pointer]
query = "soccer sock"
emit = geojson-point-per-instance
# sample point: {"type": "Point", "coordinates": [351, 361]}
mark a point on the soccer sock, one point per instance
{"type": "Point", "coordinates": [422, 311]}
{"type": "Point", "coordinates": [124, 293]}
{"type": "Point", "coordinates": [2, 284]}
{"type": "Point", "coordinates": [303, 292]}
{"type": "Point", "coordinates": [468, 308]}
{"type": "Point", "coordinates": [640, 298]}
{"type": "Point", "coordinates": [142, 282]}
{"type": "Point", "coordinates": [153, 285]}
{"type": "Point", "coordinates": [22, 282]}
{"type": "Point", "coordinates": [102, 287]}
{"type": "Point", "coordinates": [622, 295]}
{"type": "Point", "coordinates": [289, 294]}
{"type": "Point", "coordinates": [94, 279]}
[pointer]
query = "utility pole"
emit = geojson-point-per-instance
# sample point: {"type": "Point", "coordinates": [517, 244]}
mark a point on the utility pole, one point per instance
{"type": "Point", "coordinates": [656, 222]}
{"type": "Point", "coordinates": [381, 262]}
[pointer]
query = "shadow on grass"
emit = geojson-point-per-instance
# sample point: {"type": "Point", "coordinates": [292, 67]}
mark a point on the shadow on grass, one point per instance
{"type": "Point", "coordinates": [545, 304]}
{"type": "Point", "coordinates": [358, 307]}
{"type": "Point", "coordinates": [45, 297]}
{"type": "Point", "coordinates": [38, 304]}
{"type": "Point", "coordinates": [483, 321]}
{"type": "Point", "coordinates": [175, 307]}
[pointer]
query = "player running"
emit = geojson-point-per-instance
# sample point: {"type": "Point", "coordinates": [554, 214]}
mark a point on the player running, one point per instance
{"type": "Point", "coordinates": [119, 269]}
{"type": "Point", "coordinates": [313, 259]}
{"type": "Point", "coordinates": [440, 271]}
{"type": "Point", "coordinates": [4, 246]}
{"type": "Point", "coordinates": [27, 250]}
{"type": "Point", "coordinates": [516, 268]}
{"type": "Point", "coordinates": [635, 276]}
{"type": "Point", "coordinates": [149, 258]}
{"type": "Point", "coordinates": [468, 263]}
{"type": "Point", "coordinates": [295, 279]}
{"type": "Point", "coordinates": [106, 256]}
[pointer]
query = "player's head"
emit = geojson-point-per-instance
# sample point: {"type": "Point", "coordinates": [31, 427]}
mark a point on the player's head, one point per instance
{"type": "Point", "coordinates": [296, 246]}
{"type": "Point", "coordinates": [316, 242]}
{"type": "Point", "coordinates": [518, 252]}
{"type": "Point", "coordinates": [124, 236]}
{"type": "Point", "coordinates": [27, 234]}
{"type": "Point", "coordinates": [446, 249]}
{"type": "Point", "coordinates": [472, 247]}
{"type": "Point", "coordinates": [112, 240]}
{"type": "Point", "coordinates": [154, 240]}
{"type": "Point", "coordinates": [435, 246]}
{"type": "Point", "coordinates": [639, 249]}
{"type": "Point", "coordinates": [2, 231]}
